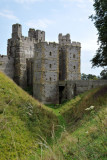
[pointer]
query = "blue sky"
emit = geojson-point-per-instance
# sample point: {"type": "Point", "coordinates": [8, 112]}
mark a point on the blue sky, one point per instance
{"type": "Point", "coordinates": [54, 17]}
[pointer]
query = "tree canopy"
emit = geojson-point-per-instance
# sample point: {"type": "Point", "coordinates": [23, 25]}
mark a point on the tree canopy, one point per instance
{"type": "Point", "coordinates": [100, 22]}
{"type": "Point", "coordinates": [103, 74]}
{"type": "Point", "coordinates": [89, 77]}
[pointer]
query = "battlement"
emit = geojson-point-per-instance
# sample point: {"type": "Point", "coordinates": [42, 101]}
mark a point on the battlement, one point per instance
{"type": "Point", "coordinates": [31, 61]}
{"type": "Point", "coordinates": [48, 44]}
{"type": "Point", "coordinates": [76, 44]}
{"type": "Point", "coordinates": [28, 39]}
{"type": "Point", "coordinates": [38, 35]}
{"type": "Point", "coordinates": [64, 39]}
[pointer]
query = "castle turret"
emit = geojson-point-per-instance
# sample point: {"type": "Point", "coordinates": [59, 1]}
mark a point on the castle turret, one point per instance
{"type": "Point", "coordinates": [37, 34]}
{"type": "Point", "coordinates": [31, 33]}
{"type": "Point", "coordinates": [16, 31]}
{"type": "Point", "coordinates": [46, 73]}
{"type": "Point", "coordinates": [64, 40]}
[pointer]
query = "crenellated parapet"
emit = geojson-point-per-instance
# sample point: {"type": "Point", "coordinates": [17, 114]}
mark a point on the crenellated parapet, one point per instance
{"type": "Point", "coordinates": [64, 39]}
{"type": "Point", "coordinates": [38, 35]}
{"type": "Point", "coordinates": [44, 66]}
{"type": "Point", "coordinates": [76, 44]}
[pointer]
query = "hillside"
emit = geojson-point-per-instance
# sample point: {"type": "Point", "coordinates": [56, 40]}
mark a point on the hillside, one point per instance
{"type": "Point", "coordinates": [23, 122]}
{"type": "Point", "coordinates": [75, 130]}
{"type": "Point", "coordinates": [84, 135]}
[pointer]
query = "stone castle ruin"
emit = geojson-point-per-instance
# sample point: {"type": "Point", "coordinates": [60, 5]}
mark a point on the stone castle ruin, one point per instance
{"type": "Point", "coordinates": [51, 69]}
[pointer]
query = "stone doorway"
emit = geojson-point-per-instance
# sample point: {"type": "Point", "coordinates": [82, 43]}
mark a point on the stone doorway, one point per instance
{"type": "Point", "coordinates": [61, 94]}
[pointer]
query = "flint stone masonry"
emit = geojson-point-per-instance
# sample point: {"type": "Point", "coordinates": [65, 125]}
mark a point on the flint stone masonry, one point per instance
{"type": "Point", "coordinates": [51, 69]}
{"type": "Point", "coordinates": [7, 65]}
{"type": "Point", "coordinates": [80, 86]}
{"type": "Point", "coordinates": [46, 72]}
{"type": "Point", "coordinates": [21, 49]}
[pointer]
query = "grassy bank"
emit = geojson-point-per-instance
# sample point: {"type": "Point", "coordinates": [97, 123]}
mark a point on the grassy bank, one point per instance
{"type": "Point", "coordinates": [29, 130]}
{"type": "Point", "coordinates": [84, 135]}
{"type": "Point", "coordinates": [23, 122]}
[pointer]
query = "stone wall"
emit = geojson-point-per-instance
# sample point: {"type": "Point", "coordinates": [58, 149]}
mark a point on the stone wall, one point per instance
{"type": "Point", "coordinates": [73, 61]}
{"type": "Point", "coordinates": [7, 66]}
{"type": "Point", "coordinates": [21, 49]}
{"type": "Point", "coordinates": [46, 72]}
{"type": "Point", "coordinates": [79, 86]}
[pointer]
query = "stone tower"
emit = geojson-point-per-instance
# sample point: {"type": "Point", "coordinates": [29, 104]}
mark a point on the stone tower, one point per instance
{"type": "Point", "coordinates": [46, 73]}
{"type": "Point", "coordinates": [51, 69]}
{"type": "Point", "coordinates": [22, 50]}
{"type": "Point", "coordinates": [45, 67]}
{"type": "Point", "coordinates": [54, 65]}
{"type": "Point", "coordinates": [69, 61]}
{"type": "Point", "coordinates": [37, 34]}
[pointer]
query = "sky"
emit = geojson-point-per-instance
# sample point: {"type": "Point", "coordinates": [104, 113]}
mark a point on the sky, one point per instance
{"type": "Point", "coordinates": [54, 17]}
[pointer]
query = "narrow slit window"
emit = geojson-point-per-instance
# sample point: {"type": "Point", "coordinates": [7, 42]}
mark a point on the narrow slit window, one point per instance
{"type": "Point", "coordinates": [50, 78]}
{"type": "Point", "coordinates": [74, 56]}
{"type": "Point", "coordinates": [74, 67]}
{"type": "Point", "coordinates": [50, 65]}
{"type": "Point", "coordinates": [50, 53]}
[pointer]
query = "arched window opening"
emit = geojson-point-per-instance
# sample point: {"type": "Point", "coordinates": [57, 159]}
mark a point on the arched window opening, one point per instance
{"type": "Point", "coordinates": [50, 53]}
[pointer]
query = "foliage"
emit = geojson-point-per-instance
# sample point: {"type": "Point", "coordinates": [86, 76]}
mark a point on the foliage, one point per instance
{"type": "Point", "coordinates": [103, 74]}
{"type": "Point", "coordinates": [84, 136]}
{"type": "Point", "coordinates": [100, 22]}
{"type": "Point", "coordinates": [23, 121]}
{"type": "Point", "coordinates": [89, 77]}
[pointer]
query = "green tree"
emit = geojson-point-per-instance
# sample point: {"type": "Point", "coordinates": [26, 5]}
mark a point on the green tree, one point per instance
{"type": "Point", "coordinates": [100, 22]}
{"type": "Point", "coordinates": [84, 76]}
{"type": "Point", "coordinates": [103, 74]}
{"type": "Point", "coordinates": [88, 77]}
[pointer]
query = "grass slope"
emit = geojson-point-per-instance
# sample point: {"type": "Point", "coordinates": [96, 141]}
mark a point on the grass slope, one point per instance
{"type": "Point", "coordinates": [76, 131]}
{"type": "Point", "coordinates": [23, 122]}
{"type": "Point", "coordinates": [85, 135]}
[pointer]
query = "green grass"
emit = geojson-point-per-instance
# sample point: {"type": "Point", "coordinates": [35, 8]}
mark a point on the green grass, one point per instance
{"type": "Point", "coordinates": [84, 136]}
{"type": "Point", "coordinates": [23, 121]}
{"type": "Point", "coordinates": [32, 131]}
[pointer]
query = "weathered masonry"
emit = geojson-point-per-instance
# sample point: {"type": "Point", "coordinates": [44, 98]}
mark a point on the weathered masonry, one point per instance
{"type": "Point", "coordinates": [52, 70]}
{"type": "Point", "coordinates": [55, 64]}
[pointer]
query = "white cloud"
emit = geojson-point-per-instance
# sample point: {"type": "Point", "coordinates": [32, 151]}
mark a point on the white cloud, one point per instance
{"type": "Point", "coordinates": [81, 4]}
{"type": "Point", "coordinates": [89, 45]}
{"type": "Point", "coordinates": [80, 1]}
{"type": "Point", "coordinates": [9, 15]}
{"type": "Point", "coordinates": [27, 1]}
{"type": "Point", "coordinates": [91, 1]}
{"type": "Point", "coordinates": [41, 23]}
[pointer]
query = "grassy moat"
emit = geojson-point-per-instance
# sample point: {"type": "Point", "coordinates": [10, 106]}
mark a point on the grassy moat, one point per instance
{"type": "Point", "coordinates": [29, 130]}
